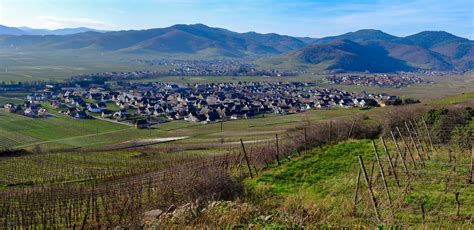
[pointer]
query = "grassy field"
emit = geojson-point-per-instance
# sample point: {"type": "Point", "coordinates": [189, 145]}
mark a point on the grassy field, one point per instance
{"type": "Point", "coordinates": [457, 99]}
{"type": "Point", "coordinates": [61, 131]}
{"type": "Point", "coordinates": [323, 182]}
{"type": "Point", "coordinates": [17, 130]}
{"type": "Point", "coordinates": [41, 65]}
{"type": "Point", "coordinates": [5, 100]}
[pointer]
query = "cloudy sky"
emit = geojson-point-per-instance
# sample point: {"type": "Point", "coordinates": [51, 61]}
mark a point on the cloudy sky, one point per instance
{"type": "Point", "coordinates": [314, 18]}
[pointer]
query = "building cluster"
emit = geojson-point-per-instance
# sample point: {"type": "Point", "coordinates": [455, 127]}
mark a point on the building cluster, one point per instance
{"type": "Point", "coordinates": [395, 80]}
{"type": "Point", "coordinates": [141, 102]}
{"type": "Point", "coordinates": [190, 68]}
{"type": "Point", "coordinates": [215, 67]}
{"type": "Point", "coordinates": [28, 109]}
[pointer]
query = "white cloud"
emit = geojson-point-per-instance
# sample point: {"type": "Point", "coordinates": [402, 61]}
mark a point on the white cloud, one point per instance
{"type": "Point", "coordinates": [63, 22]}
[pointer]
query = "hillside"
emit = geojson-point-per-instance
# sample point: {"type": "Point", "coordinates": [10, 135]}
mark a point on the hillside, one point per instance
{"type": "Point", "coordinates": [380, 52]}
{"type": "Point", "coordinates": [345, 55]}
{"type": "Point", "coordinates": [188, 39]}
{"type": "Point", "coordinates": [363, 50]}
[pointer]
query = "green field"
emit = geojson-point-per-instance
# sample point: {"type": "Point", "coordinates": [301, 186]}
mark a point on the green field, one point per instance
{"type": "Point", "coordinates": [61, 131]}
{"type": "Point", "coordinates": [17, 130]}
{"type": "Point", "coordinates": [457, 99]}
{"type": "Point", "coordinates": [323, 182]}
{"type": "Point", "coordinates": [41, 65]}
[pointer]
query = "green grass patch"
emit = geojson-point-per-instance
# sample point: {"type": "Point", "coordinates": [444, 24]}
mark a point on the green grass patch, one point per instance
{"type": "Point", "coordinates": [311, 171]}
{"type": "Point", "coordinates": [452, 100]}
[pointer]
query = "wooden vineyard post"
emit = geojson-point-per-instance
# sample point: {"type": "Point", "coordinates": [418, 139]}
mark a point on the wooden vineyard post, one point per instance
{"type": "Point", "coordinates": [372, 169]}
{"type": "Point", "coordinates": [458, 204]}
{"type": "Point", "coordinates": [305, 142]}
{"type": "Point", "coordinates": [400, 154]}
{"type": "Point", "coordinates": [422, 215]}
{"type": "Point", "coordinates": [390, 161]}
{"type": "Point", "coordinates": [356, 190]}
{"type": "Point", "coordinates": [469, 176]}
{"type": "Point", "coordinates": [352, 128]}
{"type": "Point", "coordinates": [417, 137]}
{"type": "Point", "coordinates": [414, 144]}
{"type": "Point", "coordinates": [408, 148]}
{"type": "Point", "coordinates": [382, 172]}
{"type": "Point", "coordinates": [420, 134]}
{"type": "Point", "coordinates": [428, 133]}
{"type": "Point", "coordinates": [369, 188]}
{"type": "Point", "coordinates": [277, 150]}
{"type": "Point", "coordinates": [330, 130]}
{"type": "Point", "coordinates": [246, 158]}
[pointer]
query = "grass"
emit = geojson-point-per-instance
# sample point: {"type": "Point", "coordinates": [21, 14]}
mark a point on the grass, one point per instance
{"type": "Point", "coordinates": [28, 65]}
{"type": "Point", "coordinates": [17, 130]}
{"type": "Point", "coordinates": [61, 131]}
{"type": "Point", "coordinates": [5, 100]}
{"type": "Point", "coordinates": [323, 182]}
{"type": "Point", "coordinates": [457, 99]}
{"type": "Point", "coordinates": [310, 172]}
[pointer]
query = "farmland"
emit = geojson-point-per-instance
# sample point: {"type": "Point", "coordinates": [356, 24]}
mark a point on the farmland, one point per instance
{"type": "Point", "coordinates": [297, 183]}
{"type": "Point", "coordinates": [61, 131]}
{"type": "Point", "coordinates": [100, 173]}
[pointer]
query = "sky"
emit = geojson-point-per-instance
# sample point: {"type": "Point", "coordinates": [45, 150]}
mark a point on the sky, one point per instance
{"type": "Point", "coordinates": [311, 18]}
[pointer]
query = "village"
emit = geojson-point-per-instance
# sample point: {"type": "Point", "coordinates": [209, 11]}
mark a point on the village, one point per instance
{"type": "Point", "coordinates": [191, 68]}
{"type": "Point", "coordinates": [146, 104]}
{"type": "Point", "coordinates": [394, 80]}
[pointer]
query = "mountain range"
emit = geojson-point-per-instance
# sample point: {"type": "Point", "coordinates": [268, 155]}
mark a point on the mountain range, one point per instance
{"type": "Point", "coordinates": [363, 50]}
{"type": "Point", "coordinates": [6, 30]}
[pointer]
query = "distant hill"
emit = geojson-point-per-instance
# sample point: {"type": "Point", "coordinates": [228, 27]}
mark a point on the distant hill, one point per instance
{"type": "Point", "coordinates": [363, 50]}
{"type": "Point", "coordinates": [188, 39]}
{"type": "Point", "coordinates": [376, 51]}
{"type": "Point", "coordinates": [5, 30]}
{"type": "Point", "coordinates": [345, 55]}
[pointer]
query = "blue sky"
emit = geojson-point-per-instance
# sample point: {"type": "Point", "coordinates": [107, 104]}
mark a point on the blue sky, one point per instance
{"type": "Point", "coordinates": [298, 17]}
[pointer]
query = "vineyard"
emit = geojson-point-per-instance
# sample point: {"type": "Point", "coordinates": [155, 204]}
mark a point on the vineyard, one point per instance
{"type": "Point", "coordinates": [416, 170]}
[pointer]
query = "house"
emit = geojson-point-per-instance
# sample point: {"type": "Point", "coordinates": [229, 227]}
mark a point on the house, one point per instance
{"type": "Point", "coordinates": [42, 112]}
{"type": "Point", "coordinates": [30, 112]}
{"type": "Point", "coordinates": [95, 96]}
{"type": "Point", "coordinates": [10, 108]}
{"type": "Point", "coordinates": [56, 104]}
{"type": "Point", "coordinates": [141, 124]}
{"type": "Point", "coordinates": [71, 112]}
{"type": "Point", "coordinates": [120, 115]}
{"type": "Point", "coordinates": [195, 117]}
{"type": "Point", "coordinates": [93, 108]}
{"type": "Point", "coordinates": [212, 116]}
{"type": "Point", "coordinates": [107, 113]}
{"type": "Point", "coordinates": [81, 115]}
